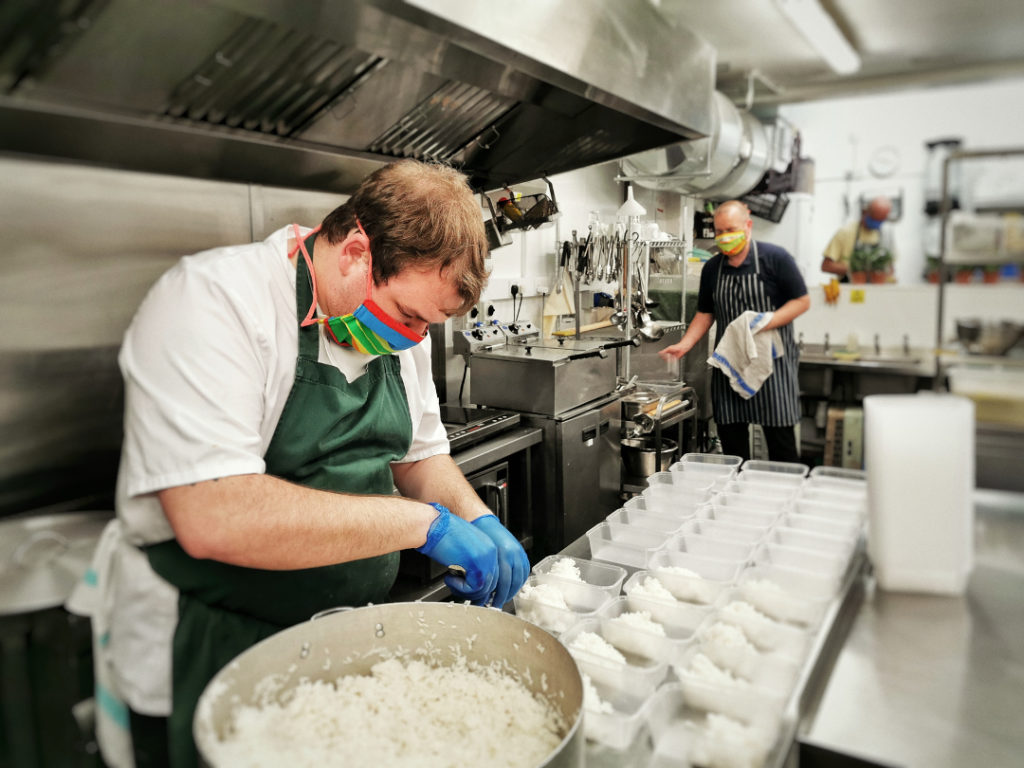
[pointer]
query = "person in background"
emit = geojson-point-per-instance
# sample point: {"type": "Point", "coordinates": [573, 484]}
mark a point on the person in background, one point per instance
{"type": "Point", "coordinates": [277, 394]}
{"type": "Point", "coordinates": [866, 233]}
{"type": "Point", "coordinates": [761, 277]}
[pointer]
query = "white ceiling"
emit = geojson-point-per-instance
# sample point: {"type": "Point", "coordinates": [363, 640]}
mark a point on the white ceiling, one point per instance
{"type": "Point", "coordinates": [901, 43]}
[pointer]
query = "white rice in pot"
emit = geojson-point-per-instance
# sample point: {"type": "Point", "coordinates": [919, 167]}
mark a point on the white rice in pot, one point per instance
{"type": "Point", "coordinates": [404, 714]}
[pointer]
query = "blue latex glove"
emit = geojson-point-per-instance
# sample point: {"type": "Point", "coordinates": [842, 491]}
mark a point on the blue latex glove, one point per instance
{"type": "Point", "coordinates": [513, 564]}
{"type": "Point", "coordinates": [453, 541]}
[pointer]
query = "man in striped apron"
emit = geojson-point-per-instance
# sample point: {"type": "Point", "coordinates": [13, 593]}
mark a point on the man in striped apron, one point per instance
{"type": "Point", "coordinates": [747, 275]}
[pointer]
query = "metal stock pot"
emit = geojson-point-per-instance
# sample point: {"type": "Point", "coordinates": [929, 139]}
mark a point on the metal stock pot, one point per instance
{"type": "Point", "coordinates": [350, 642]}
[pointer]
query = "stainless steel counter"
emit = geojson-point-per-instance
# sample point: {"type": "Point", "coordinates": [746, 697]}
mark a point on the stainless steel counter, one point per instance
{"type": "Point", "coordinates": [937, 681]}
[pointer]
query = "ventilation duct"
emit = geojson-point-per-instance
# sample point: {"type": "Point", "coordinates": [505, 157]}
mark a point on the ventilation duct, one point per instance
{"type": "Point", "coordinates": [728, 163]}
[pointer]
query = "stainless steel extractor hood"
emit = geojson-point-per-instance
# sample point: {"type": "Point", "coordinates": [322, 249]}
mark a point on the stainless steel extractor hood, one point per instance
{"type": "Point", "coordinates": [316, 93]}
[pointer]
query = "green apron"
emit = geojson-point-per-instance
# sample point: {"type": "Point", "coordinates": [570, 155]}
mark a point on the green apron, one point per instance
{"type": "Point", "coordinates": [333, 435]}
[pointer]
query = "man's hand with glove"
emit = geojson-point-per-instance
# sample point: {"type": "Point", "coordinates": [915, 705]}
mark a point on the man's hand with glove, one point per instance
{"type": "Point", "coordinates": [513, 564]}
{"type": "Point", "coordinates": [453, 541]}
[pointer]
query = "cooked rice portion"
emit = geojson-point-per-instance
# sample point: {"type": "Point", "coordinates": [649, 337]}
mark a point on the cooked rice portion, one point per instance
{"type": "Point", "coordinates": [402, 715]}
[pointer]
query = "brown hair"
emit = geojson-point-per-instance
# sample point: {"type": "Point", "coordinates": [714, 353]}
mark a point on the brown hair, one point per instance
{"type": "Point", "coordinates": [417, 215]}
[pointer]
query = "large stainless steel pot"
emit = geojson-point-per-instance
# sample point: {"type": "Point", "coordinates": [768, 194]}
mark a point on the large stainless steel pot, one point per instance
{"type": "Point", "coordinates": [352, 641]}
{"type": "Point", "coordinates": [640, 455]}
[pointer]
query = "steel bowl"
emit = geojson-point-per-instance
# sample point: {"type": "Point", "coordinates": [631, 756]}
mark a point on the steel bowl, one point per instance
{"type": "Point", "coordinates": [351, 641]}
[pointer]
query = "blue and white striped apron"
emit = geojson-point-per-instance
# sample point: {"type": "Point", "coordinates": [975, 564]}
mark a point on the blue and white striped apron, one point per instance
{"type": "Point", "coordinates": [777, 403]}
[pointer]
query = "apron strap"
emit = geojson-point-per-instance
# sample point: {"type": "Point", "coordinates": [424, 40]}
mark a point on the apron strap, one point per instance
{"type": "Point", "coordinates": [305, 301]}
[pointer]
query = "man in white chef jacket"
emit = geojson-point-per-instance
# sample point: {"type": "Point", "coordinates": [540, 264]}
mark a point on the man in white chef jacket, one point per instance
{"type": "Point", "coordinates": [276, 394]}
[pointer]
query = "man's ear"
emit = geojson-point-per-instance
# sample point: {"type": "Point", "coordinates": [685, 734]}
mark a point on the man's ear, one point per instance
{"type": "Point", "coordinates": [353, 254]}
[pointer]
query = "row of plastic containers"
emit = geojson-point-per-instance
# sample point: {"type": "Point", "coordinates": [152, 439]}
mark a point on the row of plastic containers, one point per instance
{"type": "Point", "coordinates": [697, 609]}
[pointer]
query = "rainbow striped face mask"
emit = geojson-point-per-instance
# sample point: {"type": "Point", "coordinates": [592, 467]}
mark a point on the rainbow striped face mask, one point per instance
{"type": "Point", "coordinates": [731, 243]}
{"type": "Point", "coordinates": [369, 329]}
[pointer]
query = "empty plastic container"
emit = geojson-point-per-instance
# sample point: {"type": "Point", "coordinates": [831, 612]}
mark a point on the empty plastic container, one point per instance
{"type": "Point", "coordinates": [665, 524]}
{"type": "Point", "coordinates": [819, 563]}
{"type": "Point", "coordinates": [832, 510]}
{"type": "Point", "coordinates": [721, 512]}
{"type": "Point", "coordinates": [771, 504]}
{"type": "Point", "coordinates": [624, 544]}
{"type": "Point", "coordinates": [814, 542]}
{"type": "Point", "coordinates": [762, 490]}
{"type": "Point", "coordinates": [789, 473]}
{"type": "Point", "coordinates": [746, 534]}
{"type": "Point", "coordinates": [839, 473]}
{"type": "Point", "coordinates": [709, 546]}
{"type": "Point", "coordinates": [605, 576]}
{"type": "Point", "coordinates": [848, 530]}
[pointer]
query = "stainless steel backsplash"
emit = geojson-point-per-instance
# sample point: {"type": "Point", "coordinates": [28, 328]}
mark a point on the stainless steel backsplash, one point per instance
{"type": "Point", "coordinates": [82, 246]}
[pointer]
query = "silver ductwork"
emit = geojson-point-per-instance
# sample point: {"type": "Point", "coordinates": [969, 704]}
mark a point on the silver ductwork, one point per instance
{"type": "Point", "coordinates": [727, 163]}
{"type": "Point", "coordinates": [315, 93]}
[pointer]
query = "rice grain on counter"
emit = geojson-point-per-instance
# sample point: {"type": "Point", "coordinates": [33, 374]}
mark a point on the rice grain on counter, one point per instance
{"type": "Point", "coordinates": [402, 715]}
{"type": "Point", "coordinates": [566, 569]}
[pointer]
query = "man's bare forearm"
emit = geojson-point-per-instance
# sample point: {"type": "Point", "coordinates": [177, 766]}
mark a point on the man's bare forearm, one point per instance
{"type": "Point", "coordinates": [260, 521]}
{"type": "Point", "coordinates": [439, 479]}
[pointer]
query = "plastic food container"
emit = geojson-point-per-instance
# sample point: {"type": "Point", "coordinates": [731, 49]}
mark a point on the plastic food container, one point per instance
{"type": "Point", "coordinates": [678, 626]}
{"type": "Point", "coordinates": [787, 594]}
{"type": "Point", "coordinates": [691, 589]}
{"type": "Point", "coordinates": [709, 546]}
{"type": "Point", "coordinates": [767, 673]}
{"type": "Point", "coordinates": [618, 728]}
{"type": "Point", "coordinates": [581, 600]}
{"type": "Point", "coordinates": [773, 504]}
{"type": "Point", "coordinates": [745, 534]}
{"type": "Point", "coordinates": [855, 488]}
{"type": "Point", "coordinates": [685, 734]}
{"type": "Point", "coordinates": [719, 511]}
{"type": "Point", "coordinates": [840, 512]}
{"type": "Point", "coordinates": [677, 510]}
{"type": "Point", "coordinates": [845, 529]}
{"type": "Point", "coordinates": [776, 469]}
{"type": "Point", "coordinates": [818, 543]}
{"type": "Point", "coordinates": [801, 559]}
{"type": "Point", "coordinates": [624, 544]}
{"type": "Point", "coordinates": [673, 499]}
{"type": "Point", "coordinates": [637, 674]}
{"type": "Point", "coordinates": [762, 490]}
{"type": "Point", "coordinates": [602, 575]}
{"type": "Point", "coordinates": [709, 568]}
{"type": "Point", "coordinates": [764, 632]}
{"type": "Point", "coordinates": [839, 473]}
{"type": "Point", "coordinates": [682, 616]}
{"type": "Point", "coordinates": [831, 497]}
{"type": "Point", "coordinates": [664, 524]}
{"type": "Point", "coordinates": [708, 461]}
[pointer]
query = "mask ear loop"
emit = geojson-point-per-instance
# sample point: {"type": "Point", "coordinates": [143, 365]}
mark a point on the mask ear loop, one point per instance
{"type": "Point", "coordinates": [309, 319]}
{"type": "Point", "coordinates": [369, 262]}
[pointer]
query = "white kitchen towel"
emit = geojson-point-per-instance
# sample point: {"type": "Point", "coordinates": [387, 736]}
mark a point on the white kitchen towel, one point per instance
{"type": "Point", "coordinates": [745, 354]}
{"type": "Point", "coordinates": [88, 599]}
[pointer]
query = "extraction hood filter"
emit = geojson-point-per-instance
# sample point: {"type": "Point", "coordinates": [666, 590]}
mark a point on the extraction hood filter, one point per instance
{"type": "Point", "coordinates": [316, 93]}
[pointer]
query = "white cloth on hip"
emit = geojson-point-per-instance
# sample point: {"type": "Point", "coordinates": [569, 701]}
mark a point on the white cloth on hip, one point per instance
{"type": "Point", "coordinates": [745, 354]}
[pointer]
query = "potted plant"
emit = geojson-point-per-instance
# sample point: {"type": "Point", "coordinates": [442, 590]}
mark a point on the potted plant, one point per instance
{"type": "Point", "coordinates": [860, 263]}
{"type": "Point", "coordinates": [964, 274]}
{"type": "Point", "coordinates": [931, 269]}
{"type": "Point", "coordinates": [990, 273]}
{"type": "Point", "coordinates": [881, 265]}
